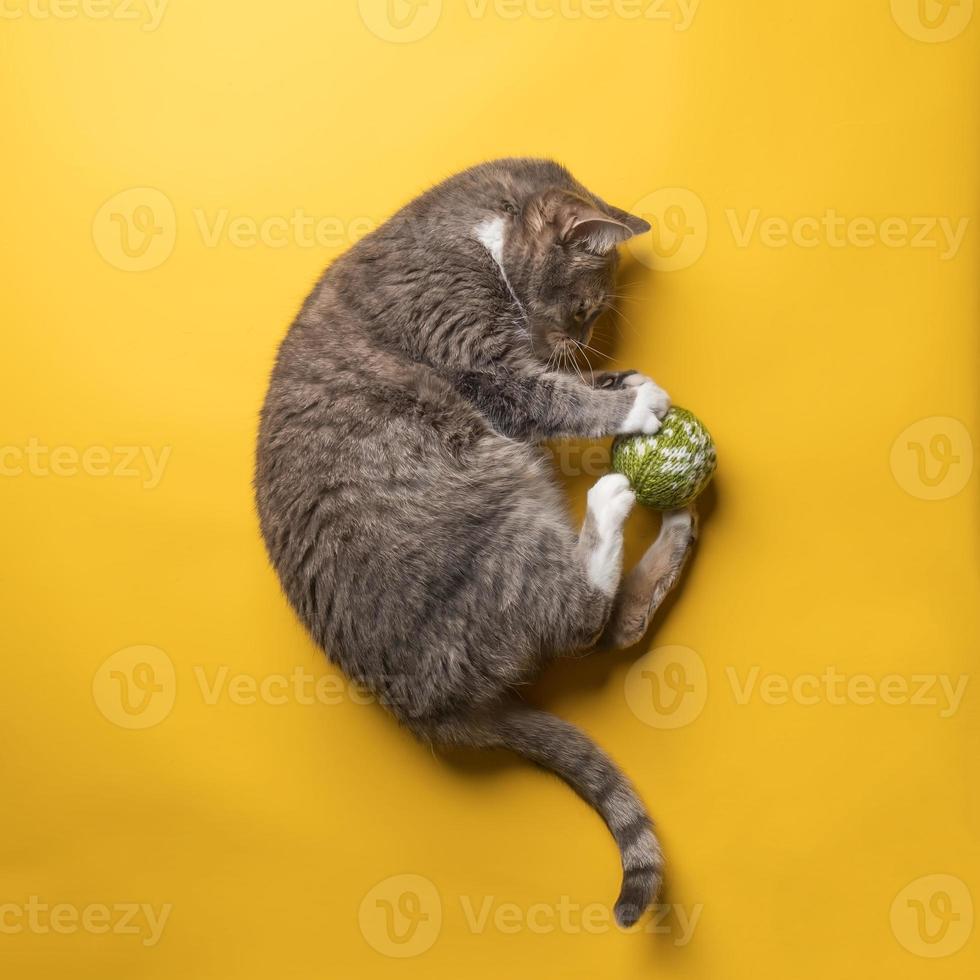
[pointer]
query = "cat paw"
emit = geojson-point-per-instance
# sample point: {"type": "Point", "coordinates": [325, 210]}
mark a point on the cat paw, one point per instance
{"type": "Point", "coordinates": [681, 525]}
{"type": "Point", "coordinates": [610, 502]}
{"type": "Point", "coordinates": [650, 405]}
{"type": "Point", "coordinates": [610, 380]}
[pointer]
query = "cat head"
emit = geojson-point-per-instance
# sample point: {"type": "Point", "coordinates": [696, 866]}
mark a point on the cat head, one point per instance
{"type": "Point", "coordinates": [559, 252]}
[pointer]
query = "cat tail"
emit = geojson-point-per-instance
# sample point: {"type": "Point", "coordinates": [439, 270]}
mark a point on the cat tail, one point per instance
{"type": "Point", "coordinates": [569, 753]}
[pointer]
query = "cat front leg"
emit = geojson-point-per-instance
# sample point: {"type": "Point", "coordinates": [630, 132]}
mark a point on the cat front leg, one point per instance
{"type": "Point", "coordinates": [649, 400]}
{"type": "Point", "coordinates": [601, 542]}
{"type": "Point", "coordinates": [533, 407]}
{"type": "Point", "coordinates": [615, 379]}
{"type": "Point", "coordinates": [597, 566]}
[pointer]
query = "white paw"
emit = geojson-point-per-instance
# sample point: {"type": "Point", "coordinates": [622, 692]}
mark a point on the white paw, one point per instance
{"type": "Point", "coordinates": [610, 502]}
{"type": "Point", "coordinates": [649, 406]}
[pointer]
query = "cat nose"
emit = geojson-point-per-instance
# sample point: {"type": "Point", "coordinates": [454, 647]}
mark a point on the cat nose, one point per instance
{"type": "Point", "coordinates": [585, 327]}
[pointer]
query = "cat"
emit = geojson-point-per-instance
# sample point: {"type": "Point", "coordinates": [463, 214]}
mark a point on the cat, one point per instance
{"type": "Point", "coordinates": [404, 500]}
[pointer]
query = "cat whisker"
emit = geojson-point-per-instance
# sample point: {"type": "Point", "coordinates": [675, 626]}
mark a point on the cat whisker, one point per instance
{"type": "Point", "coordinates": [565, 358]}
{"type": "Point", "coordinates": [574, 361]}
{"type": "Point", "coordinates": [551, 357]}
{"type": "Point", "coordinates": [582, 350]}
{"type": "Point", "coordinates": [622, 316]}
{"type": "Point", "coordinates": [593, 349]}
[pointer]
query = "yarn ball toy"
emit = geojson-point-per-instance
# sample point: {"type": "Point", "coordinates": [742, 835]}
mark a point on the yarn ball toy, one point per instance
{"type": "Point", "coordinates": [671, 467]}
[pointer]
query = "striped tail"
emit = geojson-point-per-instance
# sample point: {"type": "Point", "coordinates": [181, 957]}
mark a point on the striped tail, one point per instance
{"type": "Point", "coordinates": [568, 752]}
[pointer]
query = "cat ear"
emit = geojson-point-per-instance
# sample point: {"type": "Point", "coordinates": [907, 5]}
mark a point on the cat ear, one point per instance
{"type": "Point", "coordinates": [597, 232]}
{"type": "Point", "coordinates": [636, 225]}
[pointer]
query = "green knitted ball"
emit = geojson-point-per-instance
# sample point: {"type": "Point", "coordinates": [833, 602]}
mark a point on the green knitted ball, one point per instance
{"type": "Point", "coordinates": [670, 468]}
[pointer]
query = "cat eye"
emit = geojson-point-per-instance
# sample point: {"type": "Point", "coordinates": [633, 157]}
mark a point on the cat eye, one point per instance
{"type": "Point", "coordinates": [586, 313]}
{"type": "Point", "coordinates": [510, 207]}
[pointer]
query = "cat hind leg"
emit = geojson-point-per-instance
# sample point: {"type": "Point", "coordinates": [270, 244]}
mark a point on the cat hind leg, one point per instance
{"type": "Point", "coordinates": [647, 585]}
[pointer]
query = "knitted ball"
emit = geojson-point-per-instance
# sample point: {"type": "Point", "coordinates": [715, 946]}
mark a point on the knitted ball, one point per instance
{"type": "Point", "coordinates": [670, 468]}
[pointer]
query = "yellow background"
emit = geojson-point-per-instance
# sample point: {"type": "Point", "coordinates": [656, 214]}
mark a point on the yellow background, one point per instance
{"type": "Point", "coordinates": [264, 827]}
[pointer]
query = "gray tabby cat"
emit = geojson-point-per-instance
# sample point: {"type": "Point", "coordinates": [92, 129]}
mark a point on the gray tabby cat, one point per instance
{"type": "Point", "coordinates": [413, 521]}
